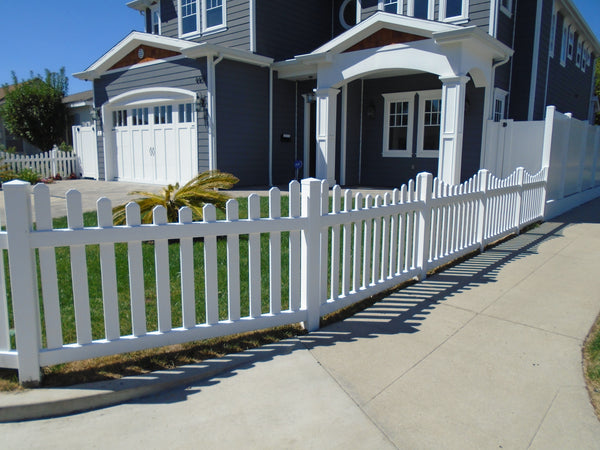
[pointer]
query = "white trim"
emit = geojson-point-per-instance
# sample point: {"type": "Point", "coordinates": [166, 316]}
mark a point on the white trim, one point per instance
{"type": "Point", "coordinates": [571, 42]}
{"type": "Point", "coordinates": [553, 25]}
{"type": "Point", "coordinates": [493, 27]}
{"type": "Point", "coordinates": [344, 133]}
{"type": "Point", "coordinates": [579, 54]}
{"type": "Point", "coordinates": [399, 6]}
{"type": "Point", "coordinates": [307, 137]}
{"type": "Point", "coordinates": [155, 9]}
{"type": "Point", "coordinates": [564, 42]}
{"type": "Point", "coordinates": [252, 18]}
{"type": "Point", "coordinates": [535, 60]}
{"type": "Point", "coordinates": [423, 97]}
{"type": "Point", "coordinates": [460, 18]}
{"type": "Point", "coordinates": [341, 18]}
{"type": "Point", "coordinates": [506, 10]}
{"type": "Point", "coordinates": [152, 95]}
{"type": "Point", "coordinates": [398, 97]}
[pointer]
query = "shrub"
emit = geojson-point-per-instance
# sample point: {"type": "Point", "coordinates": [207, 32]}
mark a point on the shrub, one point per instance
{"type": "Point", "coordinates": [29, 175]}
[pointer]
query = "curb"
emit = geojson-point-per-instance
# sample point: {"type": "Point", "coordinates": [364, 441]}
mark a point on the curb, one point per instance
{"type": "Point", "coordinates": [47, 403]}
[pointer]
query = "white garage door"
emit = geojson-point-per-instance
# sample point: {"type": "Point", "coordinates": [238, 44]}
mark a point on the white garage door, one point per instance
{"type": "Point", "coordinates": [156, 144]}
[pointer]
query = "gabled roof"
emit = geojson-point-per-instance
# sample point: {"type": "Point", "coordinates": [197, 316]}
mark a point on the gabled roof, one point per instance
{"type": "Point", "coordinates": [120, 56]}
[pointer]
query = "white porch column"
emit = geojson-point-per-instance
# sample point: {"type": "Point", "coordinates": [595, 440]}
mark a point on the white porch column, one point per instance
{"type": "Point", "coordinates": [326, 121]}
{"type": "Point", "coordinates": [452, 126]}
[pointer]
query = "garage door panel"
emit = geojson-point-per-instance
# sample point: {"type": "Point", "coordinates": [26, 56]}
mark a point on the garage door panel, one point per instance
{"type": "Point", "coordinates": [187, 160]}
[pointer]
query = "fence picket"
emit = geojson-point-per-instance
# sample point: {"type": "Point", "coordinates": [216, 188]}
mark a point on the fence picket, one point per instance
{"type": "Point", "coordinates": [79, 274]}
{"type": "Point", "coordinates": [275, 253]}
{"type": "Point", "coordinates": [377, 232]}
{"type": "Point", "coordinates": [358, 231]}
{"type": "Point", "coordinates": [211, 281]}
{"type": "Point", "coordinates": [347, 243]}
{"type": "Point", "coordinates": [385, 246]}
{"type": "Point", "coordinates": [108, 273]}
{"type": "Point", "coordinates": [254, 263]}
{"type": "Point", "coordinates": [136, 273]}
{"type": "Point", "coordinates": [233, 264]}
{"type": "Point", "coordinates": [295, 210]}
{"type": "Point", "coordinates": [335, 245]}
{"type": "Point", "coordinates": [186, 268]}
{"type": "Point", "coordinates": [367, 244]}
{"type": "Point", "coordinates": [324, 242]}
{"type": "Point", "coordinates": [43, 219]}
{"type": "Point", "coordinates": [162, 276]}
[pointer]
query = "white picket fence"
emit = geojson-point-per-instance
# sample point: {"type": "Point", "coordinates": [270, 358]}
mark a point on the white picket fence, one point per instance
{"type": "Point", "coordinates": [337, 255]}
{"type": "Point", "coordinates": [47, 164]}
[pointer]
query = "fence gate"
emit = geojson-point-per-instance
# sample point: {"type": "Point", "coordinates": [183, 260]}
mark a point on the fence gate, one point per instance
{"type": "Point", "coordinates": [511, 144]}
{"type": "Point", "coordinates": [86, 148]}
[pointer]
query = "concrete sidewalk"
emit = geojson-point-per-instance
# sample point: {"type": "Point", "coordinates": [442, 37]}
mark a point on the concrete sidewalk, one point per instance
{"type": "Point", "coordinates": [484, 355]}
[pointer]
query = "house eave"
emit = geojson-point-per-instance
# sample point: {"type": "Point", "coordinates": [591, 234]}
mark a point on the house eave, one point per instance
{"type": "Point", "coordinates": [473, 35]}
{"type": "Point", "coordinates": [205, 49]}
{"type": "Point", "coordinates": [580, 23]}
{"type": "Point", "coordinates": [141, 5]}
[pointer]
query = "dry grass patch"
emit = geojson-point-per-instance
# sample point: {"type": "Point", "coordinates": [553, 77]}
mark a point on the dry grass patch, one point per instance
{"type": "Point", "coordinates": [591, 363]}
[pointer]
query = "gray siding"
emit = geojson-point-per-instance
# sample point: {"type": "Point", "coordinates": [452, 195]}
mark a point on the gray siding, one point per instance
{"type": "Point", "coordinates": [568, 87]}
{"type": "Point", "coordinates": [473, 131]}
{"type": "Point", "coordinates": [542, 69]}
{"type": "Point", "coordinates": [243, 121]}
{"type": "Point", "coordinates": [286, 29]}
{"type": "Point", "coordinates": [182, 73]}
{"type": "Point", "coordinates": [285, 152]}
{"type": "Point", "coordinates": [353, 132]}
{"type": "Point", "coordinates": [479, 14]}
{"type": "Point", "coordinates": [237, 34]}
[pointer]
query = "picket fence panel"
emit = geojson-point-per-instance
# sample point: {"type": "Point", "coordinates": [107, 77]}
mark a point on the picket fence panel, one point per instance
{"type": "Point", "coordinates": [47, 164]}
{"type": "Point", "coordinates": [341, 249]}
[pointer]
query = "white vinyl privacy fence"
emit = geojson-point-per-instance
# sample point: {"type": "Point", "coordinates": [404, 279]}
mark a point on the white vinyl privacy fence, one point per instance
{"type": "Point", "coordinates": [48, 164]}
{"type": "Point", "coordinates": [138, 286]}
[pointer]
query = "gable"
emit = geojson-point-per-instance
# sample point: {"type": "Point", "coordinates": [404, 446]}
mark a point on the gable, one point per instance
{"type": "Point", "coordinates": [142, 54]}
{"type": "Point", "coordinates": [384, 37]}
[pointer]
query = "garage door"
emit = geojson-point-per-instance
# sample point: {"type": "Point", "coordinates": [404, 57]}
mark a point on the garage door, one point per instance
{"type": "Point", "coordinates": [156, 144]}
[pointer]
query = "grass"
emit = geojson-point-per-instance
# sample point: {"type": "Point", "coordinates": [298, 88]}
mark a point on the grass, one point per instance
{"type": "Point", "coordinates": [591, 364]}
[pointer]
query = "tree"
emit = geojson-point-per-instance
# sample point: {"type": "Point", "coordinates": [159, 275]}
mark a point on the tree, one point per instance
{"type": "Point", "coordinates": [194, 194]}
{"type": "Point", "coordinates": [33, 108]}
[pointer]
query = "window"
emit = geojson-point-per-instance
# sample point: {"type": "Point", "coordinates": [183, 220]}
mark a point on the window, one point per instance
{"type": "Point", "coordinates": [213, 14]}
{"type": "Point", "coordinates": [579, 54]}
{"type": "Point", "coordinates": [499, 104]}
{"type": "Point", "coordinates": [188, 17]}
{"type": "Point", "coordinates": [390, 6]}
{"type": "Point", "coordinates": [398, 124]}
{"type": "Point", "coordinates": [347, 14]}
{"type": "Point", "coordinates": [155, 19]}
{"type": "Point", "coordinates": [552, 35]}
{"type": "Point", "coordinates": [421, 9]}
{"type": "Point", "coordinates": [430, 120]}
{"type": "Point", "coordinates": [139, 116]}
{"type": "Point", "coordinates": [563, 44]}
{"type": "Point", "coordinates": [120, 118]}
{"type": "Point", "coordinates": [186, 112]}
{"type": "Point", "coordinates": [453, 10]}
{"type": "Point", "coordinates": [506, 7]}
{"type": "Point", "coordinates": [571, 42]}
{"type": "Point", "coordinates": [163, 114]}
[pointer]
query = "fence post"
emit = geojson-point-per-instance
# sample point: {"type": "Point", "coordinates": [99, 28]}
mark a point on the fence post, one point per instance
{"type": "Point", "coordinates": [311, 253]}
{"type": "Point", "coordinates": [520, 174]}
{"type": "Point", "coordinates": [424, 191]}
{"type": "Point", "coordinates": [483, 201]}
{"type": "Point", "coordinates": [23, 279]}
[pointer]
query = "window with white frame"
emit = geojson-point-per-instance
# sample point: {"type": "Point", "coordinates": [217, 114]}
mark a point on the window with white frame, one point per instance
{"type": "Point", "coordinates": [430, 120]}
{"type": "Point", "coordinates": [186, 112]}
{"type": "Point", "coordinates": [120, 118]}
{"type": "Point", "coordinates": [155, 19]}
{"type": "Point", "coordinates": [499, 104]}
{"type": "Point", "coordinates": [420, 9]}
{"type": "Point", "coordinates": [454, 10]}
{"type": "Point", "coordinates": [563, 44]}
{"type": "Point", "coordinates": [139, 116]}
{"type": "Point", "coordinates": [398, 124]}
{"type": "Point", "coordinates": [391, 6]}
{"type": "Point", "coordinates": [571, 47]}
{"type": "Point", "coordinates": [552, 35]}
{"type": "Point", "coordinates": [579, 54]}
{"type": "Point", "coordinates": [213, 14]}
{"type": "Point", "coordinates": [163, 114]}
{"type": "Point", "coordinates": [188, 17]}
{"type": "Point", "coordinates": [506, 7]}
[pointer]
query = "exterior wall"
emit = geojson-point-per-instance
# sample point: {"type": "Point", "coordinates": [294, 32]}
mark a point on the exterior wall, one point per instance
{"type": "Point", "coordinates": [243, 121]}
{"type": "Point", "coordinates": [568, 87]}
{"type": "Point", "coordinates": [236, 35]}
{"type": "Point", "coordinates": [473, 131]}
{"type": "Point", "coordinates": [539, 107]}
{"type": "Point", "coordinates": [285, 152]}
{"type": "Point", "coordinates": [376, 169]}
{"type": "Point", "coordinates": [181, 73]}
{"type": "Point", "coordinates": [353, 133]}
{"type": "Point", "coordinates": [286, 29]}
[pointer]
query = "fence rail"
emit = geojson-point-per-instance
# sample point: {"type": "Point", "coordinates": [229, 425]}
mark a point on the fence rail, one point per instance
{"type": "Point", "coordinates": [331, 249]}
{"type": "Point", "coordinates": [48, 164]}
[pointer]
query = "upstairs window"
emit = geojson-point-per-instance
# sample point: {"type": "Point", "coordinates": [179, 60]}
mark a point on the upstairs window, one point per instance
{"type": "Point", "coordinates": [454, 10]}
{"type": "Point", "coordinates": [155, 20]}
{"type": "Point", "coordinates": [563, 44]}
{"type": "Point", "coordinates": [188, 17]}
{"type": "Point", "coordinates": [214, 14]}
{"type": "Point", "coordinates": [390, 6]}
{"type": "Point", "coordinates": [421, 9]}
{"type": "Point", "coordinates": [579, 54]}
{"type": "Point", "coordinates": [571, 42]}
{"type": "Point", "coordinates": [552, 35]}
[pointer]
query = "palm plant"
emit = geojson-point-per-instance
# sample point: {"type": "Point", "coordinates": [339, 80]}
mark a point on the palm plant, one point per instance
{"type": "Point", "coordinates": [196, 193]}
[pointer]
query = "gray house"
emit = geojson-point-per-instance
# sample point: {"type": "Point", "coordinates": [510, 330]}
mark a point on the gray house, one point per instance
{"type": "Point", "coordinates": [353, 91]}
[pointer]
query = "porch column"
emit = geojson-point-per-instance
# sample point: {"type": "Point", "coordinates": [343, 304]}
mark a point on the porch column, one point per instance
{"type": "Point", "coordinates": [326, 121]}
{"type": "Point", "coordinates": [452, 125]}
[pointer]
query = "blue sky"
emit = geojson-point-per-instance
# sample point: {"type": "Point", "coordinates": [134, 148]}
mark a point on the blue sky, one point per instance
{"type": "Point", "coordinates": [39, 34]}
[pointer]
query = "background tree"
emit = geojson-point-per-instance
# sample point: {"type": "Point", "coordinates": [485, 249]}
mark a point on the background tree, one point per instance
{"type": "Point", "coordinates": [33, 108]}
